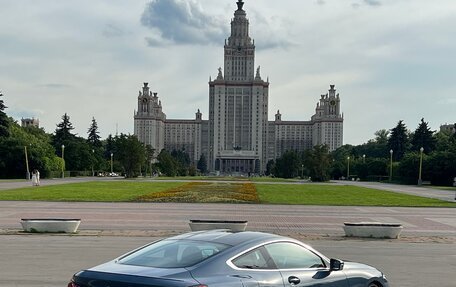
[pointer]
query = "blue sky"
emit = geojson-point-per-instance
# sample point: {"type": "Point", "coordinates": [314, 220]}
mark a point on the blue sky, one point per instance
{"type": "Point", "coordinates": [390, 60]}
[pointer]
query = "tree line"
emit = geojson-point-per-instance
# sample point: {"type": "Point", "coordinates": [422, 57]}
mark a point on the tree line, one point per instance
{"type": "Point", "coordinates": [393, 154]}
{"type": "Point", "coordinates": [65, 151]}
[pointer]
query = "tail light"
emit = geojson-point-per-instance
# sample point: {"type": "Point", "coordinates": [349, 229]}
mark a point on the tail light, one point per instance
{"type": "Point", "coordinates": [72, 284]}
{"type": "Point", "coordinates": [200, 285]}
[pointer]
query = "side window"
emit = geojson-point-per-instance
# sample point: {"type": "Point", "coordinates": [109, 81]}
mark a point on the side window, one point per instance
{"type": "Point", "coordinates": [287, 255]}
{"type": "Point", "coordinates": [252, 260]}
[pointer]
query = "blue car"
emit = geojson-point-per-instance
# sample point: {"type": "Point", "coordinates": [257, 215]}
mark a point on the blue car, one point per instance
{"type": "Point", "coordinates": [220, 258]}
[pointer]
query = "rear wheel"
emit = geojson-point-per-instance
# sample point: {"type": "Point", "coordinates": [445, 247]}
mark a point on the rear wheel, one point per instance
{"type": "Point", "coordinates": [375, 285]}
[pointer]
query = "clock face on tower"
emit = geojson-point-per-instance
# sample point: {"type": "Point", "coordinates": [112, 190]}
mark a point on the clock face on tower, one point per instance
{"type": "Point", "coordinates": [333, 102]}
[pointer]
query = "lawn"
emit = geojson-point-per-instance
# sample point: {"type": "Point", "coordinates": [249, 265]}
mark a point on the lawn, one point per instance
{"type": "Point", "coordinates": [88, 191]}
{"type": "Point", "coordinates": [226, 192]}
{"type": "Point", "coordinates": [310, 194]}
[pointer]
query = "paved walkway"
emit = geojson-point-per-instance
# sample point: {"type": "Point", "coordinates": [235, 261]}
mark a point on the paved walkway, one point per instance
{"type": "Point", "coordinates": [174, 217]}
{"type": "Point", "coordinates": [273, 218]}
{"type": "Point", "coordinates": [10, 184]}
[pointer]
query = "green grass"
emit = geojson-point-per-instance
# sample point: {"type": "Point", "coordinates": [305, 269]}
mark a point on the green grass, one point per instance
{"type": "Point", "coordinates": [305, 194]}
{"type": "Point", "coordinates": [88, 191]}
{"type": "Point", "coordinates": [12, 180]}
{"type": "Point", "coordinates": [309, 194]}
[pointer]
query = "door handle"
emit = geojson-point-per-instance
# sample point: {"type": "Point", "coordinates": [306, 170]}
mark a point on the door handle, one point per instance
{"type": "Point", "coordinates": [293, 280]}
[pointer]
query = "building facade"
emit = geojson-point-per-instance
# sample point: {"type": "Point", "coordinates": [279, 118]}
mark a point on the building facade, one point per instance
{"type": "Point", "coordinates": [238, 136]}
{"type": "Point", "coordinates": [448, 128]}
{"type": "Point", "coordinates": [30, 122]}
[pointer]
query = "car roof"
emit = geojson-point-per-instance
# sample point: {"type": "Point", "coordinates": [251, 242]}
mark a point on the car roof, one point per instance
{"type": "Point", "coordinates": [229, 237]}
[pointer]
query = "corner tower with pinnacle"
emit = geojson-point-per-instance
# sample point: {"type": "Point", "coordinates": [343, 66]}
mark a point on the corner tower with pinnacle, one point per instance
{"type": "Point", "coordinates": [238, 105]}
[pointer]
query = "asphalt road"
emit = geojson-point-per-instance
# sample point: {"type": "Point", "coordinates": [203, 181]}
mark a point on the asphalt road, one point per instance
{"type": "Point", "coordinates": [50, 261]}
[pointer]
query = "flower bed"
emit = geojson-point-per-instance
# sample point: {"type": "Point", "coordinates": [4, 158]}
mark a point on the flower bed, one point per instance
{"type": "Point", "coordinates": [210, 192]}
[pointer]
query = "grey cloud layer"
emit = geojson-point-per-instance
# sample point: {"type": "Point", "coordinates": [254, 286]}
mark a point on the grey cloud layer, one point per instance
{"type": "Point", "coordinates": [182, 22]}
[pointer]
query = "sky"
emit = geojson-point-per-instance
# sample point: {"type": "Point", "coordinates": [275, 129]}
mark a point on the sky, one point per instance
{"type": "Point", "coordinates": [390, 60]}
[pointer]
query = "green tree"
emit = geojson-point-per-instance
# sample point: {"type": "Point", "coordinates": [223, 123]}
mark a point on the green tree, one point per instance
{"type": "Point", "coordinates": [442, 167]}
{"type": "Point", "coordinates": [40, 152]}
{"type": "Point", "coordinates": [130, 153]}
{"type": "Point", "coordinates": [63, 133]}
{"type": "Point", "coordinates": [78, 155]}
{"type": "Point", "coordinates": [408, 168]}
{"type": "Point", "coordinates": [319, 163]}
{"type": "Point", "coordinates": [423, 137]}
{"type": "Point", "coordinates": [287, 166]}
{"type": "Point", "coordinates": [270, 167]}
{"type": "Point", "coordinates": [167, 164]}
{"type": "Point", "coordinates": [183, 161]}
{"type": "Point", "coordinates": [202, 164]}
{"type": "Point", "coordinates": [93, 137]}
{"type": "Point", "coordinates": [398, 140]}
{"type": "Point", "coordinates": [4, 121]}
{"type": "Point", "coordinates": [454, 134]}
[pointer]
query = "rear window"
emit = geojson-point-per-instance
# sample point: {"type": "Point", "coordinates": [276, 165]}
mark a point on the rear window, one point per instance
{"type": "Point", "coordinates": [173, 253]}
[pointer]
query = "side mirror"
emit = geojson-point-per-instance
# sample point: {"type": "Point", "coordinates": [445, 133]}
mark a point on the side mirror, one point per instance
{"type": "Point", "coordinates": [336, 265]}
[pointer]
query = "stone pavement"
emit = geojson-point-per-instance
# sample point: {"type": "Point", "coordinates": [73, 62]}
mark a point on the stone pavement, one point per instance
{"type": "Point", "coordinates": [174, 217]}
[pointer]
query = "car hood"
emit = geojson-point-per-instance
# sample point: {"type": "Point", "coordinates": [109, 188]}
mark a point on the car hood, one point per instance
{"type": "Point", "coordinates": [358, 266]}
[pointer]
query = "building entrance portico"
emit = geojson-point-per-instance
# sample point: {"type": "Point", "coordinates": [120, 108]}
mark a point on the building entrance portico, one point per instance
{"type": "Point", "coordinates": [237, 165]}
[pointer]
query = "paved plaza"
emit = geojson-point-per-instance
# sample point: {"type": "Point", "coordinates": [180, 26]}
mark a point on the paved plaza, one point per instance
{"type": "Point", "coordinates": [174, 217]}
{"type": "Point", "coordinates": [424, 256]}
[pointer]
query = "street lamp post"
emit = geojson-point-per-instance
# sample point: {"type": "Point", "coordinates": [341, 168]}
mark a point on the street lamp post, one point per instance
{"type": "Point", "coordinates": [420, 181]}
{"type": "Point", "coordinates": [93, 158]}
{"type": "Point", "coordinates": [348, 168]}
{"type": "Point", "coordinates": [364, 158]}
{"type": "Point", "coordinates": [63, 161]}
{"type": "Point", "coordinates": [302, 171]}
{"type": "Point", "coordinates": [27, 175]}
{"type": "Point", "coordinates": [391, 165]}
{"type": "Point", "coordinates": [111, 163]}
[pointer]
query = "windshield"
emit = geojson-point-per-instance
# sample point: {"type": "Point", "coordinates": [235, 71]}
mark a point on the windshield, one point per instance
{"type": "Point", "coordinates": [173, 253]}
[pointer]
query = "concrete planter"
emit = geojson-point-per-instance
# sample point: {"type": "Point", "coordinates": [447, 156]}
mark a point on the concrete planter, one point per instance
{"type": "Point", "coordinates": [233, 225]}
{"type": "Point", "coordinates": [54, 225]}
{"type": "Point", "coordinates": [372, 229]}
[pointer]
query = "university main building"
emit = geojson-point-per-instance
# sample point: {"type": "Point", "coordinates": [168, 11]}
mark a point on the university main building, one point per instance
{"type": "Point", "coordinates": [238, 137]}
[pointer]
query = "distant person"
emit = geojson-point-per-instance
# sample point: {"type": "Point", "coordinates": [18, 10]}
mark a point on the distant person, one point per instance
{"type": "Point", "coordinates": [34, 178]}
{"type": "Point", "coordinates": [37, 177]}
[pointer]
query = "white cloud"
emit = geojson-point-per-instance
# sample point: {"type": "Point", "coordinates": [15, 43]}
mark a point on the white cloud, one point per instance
{"type": "Point", "coordinates": [89, 58]}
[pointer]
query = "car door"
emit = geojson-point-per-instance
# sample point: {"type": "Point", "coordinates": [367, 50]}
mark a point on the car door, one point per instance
{"type": "Point", "coordinates": [300, 267]}
{"type": "Point", "coordinates": [256, 269]}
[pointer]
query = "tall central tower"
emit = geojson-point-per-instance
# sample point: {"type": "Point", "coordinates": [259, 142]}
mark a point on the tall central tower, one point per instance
{"type": "Point", "coordinates": [238, 105]}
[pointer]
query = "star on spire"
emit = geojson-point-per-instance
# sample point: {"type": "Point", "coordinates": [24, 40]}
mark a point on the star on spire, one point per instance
{"type": "Point", "coordinates": [240, 4]}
